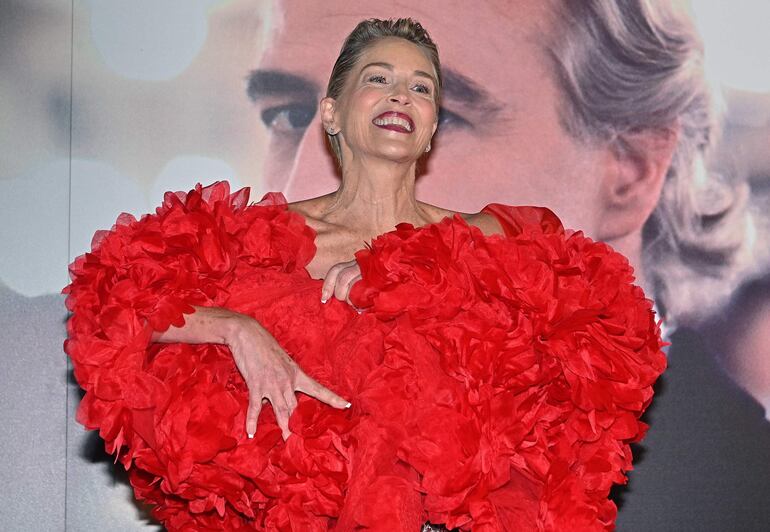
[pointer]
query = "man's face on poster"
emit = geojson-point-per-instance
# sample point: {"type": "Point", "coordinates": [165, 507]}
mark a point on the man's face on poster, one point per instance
{"type": "Point", "coordinates": [500, 138]}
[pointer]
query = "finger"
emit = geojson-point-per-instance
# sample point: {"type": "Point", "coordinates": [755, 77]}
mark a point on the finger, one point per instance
{"type": "Point", "coordinates": [252, 413]}
{"type": "Point", "coordinates": [353, 281]}
{"type": "Point", "coordinates": [330, 280]}
{"type": "Point", "coordinates": [291, 401]}
{"type": "Point", "coordinates": [281, 410]}
{"type": "Point", "coordinates": [313, 388]}
{"type": "Point", "coordinates": [345, 281]}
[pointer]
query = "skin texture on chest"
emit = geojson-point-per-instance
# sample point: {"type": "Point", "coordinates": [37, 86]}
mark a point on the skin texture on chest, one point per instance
{"type": "Point", "coordinates": [331, 250]}
{"type": "Point", "coordinates": [339, 243]}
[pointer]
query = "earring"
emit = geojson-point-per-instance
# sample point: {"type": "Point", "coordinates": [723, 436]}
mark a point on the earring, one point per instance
{"type": "Point", "coordinates": [428, 148]}
{"type": "Point", "coordinates": [330, 131]}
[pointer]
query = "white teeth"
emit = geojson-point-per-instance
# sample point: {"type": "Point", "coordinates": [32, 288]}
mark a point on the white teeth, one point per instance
{"type": "Point", "coordinates": [393, 120]}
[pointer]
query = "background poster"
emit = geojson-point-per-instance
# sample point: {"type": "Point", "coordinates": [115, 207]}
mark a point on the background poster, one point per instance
{"type": "Point", "coordinates": [105, 105]}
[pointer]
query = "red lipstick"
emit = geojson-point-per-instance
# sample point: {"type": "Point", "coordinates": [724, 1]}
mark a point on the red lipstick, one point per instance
{"type": "Point", "coordinates": [394, 121]}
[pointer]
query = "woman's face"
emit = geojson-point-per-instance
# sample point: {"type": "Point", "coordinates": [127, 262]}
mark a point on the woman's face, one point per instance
{"type": "Point", "coordinates": [387, 109]}
{"type": "Point", "coordinates": [500, 136]}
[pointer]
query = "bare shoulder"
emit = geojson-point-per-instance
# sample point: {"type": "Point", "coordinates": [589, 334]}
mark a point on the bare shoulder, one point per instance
{"type": "Point", "coordinates": [311, 209]}
{"type": "Point", "coordinates": [486, 222]}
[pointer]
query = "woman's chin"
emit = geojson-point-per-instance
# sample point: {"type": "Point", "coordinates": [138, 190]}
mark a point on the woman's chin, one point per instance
{"type": "Point", "coordinates": [397, 154]}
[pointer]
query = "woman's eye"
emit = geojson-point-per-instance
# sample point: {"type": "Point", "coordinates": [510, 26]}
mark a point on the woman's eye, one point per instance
{"type": "Point", "coordinates": [447, 119]}
{"type": "Point", "coordinates": [424, 89]}
{"type": "Point", "coordinates": [376, 78]}
{"type": "Point", "coordinates": [288, 117]}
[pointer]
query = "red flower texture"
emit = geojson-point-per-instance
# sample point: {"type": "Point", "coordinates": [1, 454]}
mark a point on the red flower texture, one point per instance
{"type": "Point", "coordinates": [553, 352]}
{"type": "Point", "coordinates": [496, 382]}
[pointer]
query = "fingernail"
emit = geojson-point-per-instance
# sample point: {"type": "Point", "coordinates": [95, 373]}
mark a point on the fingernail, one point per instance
{"type": "Point", "coordinates": [348, 405]}
{"type": "Point", "coordinates": [251, 435]}
{"type": "Point", "coordinates": [323, 299]}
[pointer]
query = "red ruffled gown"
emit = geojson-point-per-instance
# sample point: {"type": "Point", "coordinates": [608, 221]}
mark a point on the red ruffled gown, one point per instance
{"type": "Point", "coordinates": [496, 382]}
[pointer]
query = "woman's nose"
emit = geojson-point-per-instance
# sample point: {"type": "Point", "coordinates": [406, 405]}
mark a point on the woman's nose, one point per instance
{"type": "Point", "coordinates": [400, 94]}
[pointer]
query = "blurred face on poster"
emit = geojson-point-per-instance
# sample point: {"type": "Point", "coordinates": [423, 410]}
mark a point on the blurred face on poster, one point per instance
{"type": "Point", "coordinates": [499, 138]}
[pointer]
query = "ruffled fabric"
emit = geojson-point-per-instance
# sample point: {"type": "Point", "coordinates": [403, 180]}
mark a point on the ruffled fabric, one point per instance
{"type": "Point", "coordinates": [496, 382]}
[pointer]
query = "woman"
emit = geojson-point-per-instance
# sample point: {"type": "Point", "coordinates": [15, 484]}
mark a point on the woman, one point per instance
{"type": "Point", "coordinates": [496, 366]}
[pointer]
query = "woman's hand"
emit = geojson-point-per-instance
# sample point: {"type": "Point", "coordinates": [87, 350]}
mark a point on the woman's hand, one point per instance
{"type": "Point", "coordinates": [340, 279]}
{"type": "Point", "coordinates": [271, 374]}
{"type": "Point", "coordinates": [268, 371]}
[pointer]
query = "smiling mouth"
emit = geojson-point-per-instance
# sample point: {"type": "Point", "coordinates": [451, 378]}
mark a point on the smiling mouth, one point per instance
{"type": "Point", "coordinates": [394, 122]}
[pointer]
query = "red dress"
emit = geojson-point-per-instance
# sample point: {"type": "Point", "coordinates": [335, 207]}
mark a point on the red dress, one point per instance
{"type": "Point", "coordinates": [496, 382]}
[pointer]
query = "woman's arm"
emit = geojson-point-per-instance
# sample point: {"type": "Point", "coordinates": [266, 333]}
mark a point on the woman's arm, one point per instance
{"type": "Point", "coordinates": [268, 371]}
{"type": "Point", "coordinates": [207, 325]}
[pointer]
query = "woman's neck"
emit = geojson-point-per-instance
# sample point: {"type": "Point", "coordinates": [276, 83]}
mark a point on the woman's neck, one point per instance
{"type": "Point", "coordinates": [375, 196]}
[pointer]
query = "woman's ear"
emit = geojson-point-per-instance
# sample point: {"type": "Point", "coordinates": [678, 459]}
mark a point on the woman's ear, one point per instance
{"type": "Point", "coordinates": [637, 165]}
{"type": "Point", "coordinates": [327, 108]}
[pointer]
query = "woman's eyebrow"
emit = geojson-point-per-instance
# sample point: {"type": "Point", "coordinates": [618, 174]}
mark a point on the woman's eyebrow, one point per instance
{"type": "Point", "coordinates": [262, 83]}
{"type": "Point", "coordinates": [424, 74]}
{"type": "Point", "coordinates": [388, 66]}
{"type": "Point", "coordinates": [380, 64]}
